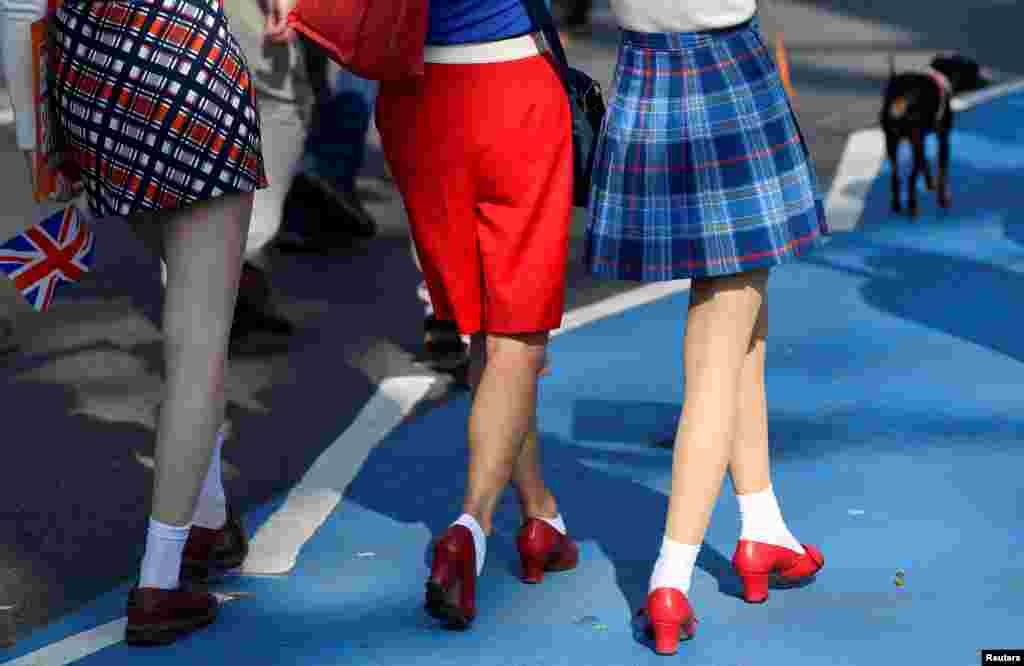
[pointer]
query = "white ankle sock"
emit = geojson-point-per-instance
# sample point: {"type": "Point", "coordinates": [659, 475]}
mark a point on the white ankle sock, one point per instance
{"type": "Point", "coordinates": [674, 567]}
{"type": "Point", "coordinates": [161, 565]}
{"type": "Point", "coordinates": [762, 520]}
{"type": "Point", "coordinates": [479, 539]}
{"type": "Point", "coordinates": [212, 510]}
{"type": "Point", "coordinates": [556, 522]}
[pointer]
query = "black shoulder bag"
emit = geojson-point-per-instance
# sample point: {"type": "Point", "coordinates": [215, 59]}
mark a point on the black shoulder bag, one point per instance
{"type": "Point", "coordinates": [585, 100]}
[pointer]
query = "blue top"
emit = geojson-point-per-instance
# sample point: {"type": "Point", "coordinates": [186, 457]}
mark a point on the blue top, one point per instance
{"type": "Point", "coordinates": [465, 21]}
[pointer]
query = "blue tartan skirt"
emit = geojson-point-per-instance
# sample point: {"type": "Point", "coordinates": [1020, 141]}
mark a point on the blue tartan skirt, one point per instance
{"type": "Point", "coordinates": [701, 169]}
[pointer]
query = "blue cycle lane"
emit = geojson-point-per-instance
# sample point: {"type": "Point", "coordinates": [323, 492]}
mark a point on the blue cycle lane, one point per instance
{"type": "Point", "coordinates": [897, 419]}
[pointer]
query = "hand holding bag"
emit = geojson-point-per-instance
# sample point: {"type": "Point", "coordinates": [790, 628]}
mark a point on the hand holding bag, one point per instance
{"type": "Point", "coordinates": [585, 100]}
{"type": "Point", "coordinates": [378, 40]}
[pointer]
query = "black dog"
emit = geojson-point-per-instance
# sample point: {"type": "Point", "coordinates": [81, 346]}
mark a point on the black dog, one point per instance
{"type": "Point", "coordinates": [917, 104]}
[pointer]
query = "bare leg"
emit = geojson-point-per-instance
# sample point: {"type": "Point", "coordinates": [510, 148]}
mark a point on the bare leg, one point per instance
{"type": "Point", "coordinates": [720, 324]}
{"type": "Point", "coordinates": [203, 248]}
{"type": "Point", "coordinates": [749, 461]}
{"type": "Point", "coordinates": [504, 375]}
{"type": "Point", "coordinates": [527, 477]}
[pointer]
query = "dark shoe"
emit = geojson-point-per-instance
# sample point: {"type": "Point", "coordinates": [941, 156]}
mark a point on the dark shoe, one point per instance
{"type": "Point", "coordinates": [443, 348]}
{"type": "Point", "coordinates": [210, 552]}
{"type": "Point", "coordinates": [160, 617]}
{"type": "Point", "coordinates": [252, 309]}
{"type": "Point", "coordinates": [322, 218]}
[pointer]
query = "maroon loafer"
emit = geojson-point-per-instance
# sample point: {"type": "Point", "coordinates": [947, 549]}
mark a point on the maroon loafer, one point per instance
{"type": "Point", "coordinates": [160, 617]}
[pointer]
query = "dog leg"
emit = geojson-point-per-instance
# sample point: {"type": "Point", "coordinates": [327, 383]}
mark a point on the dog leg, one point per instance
{"type": "Point", "coordinates": [929, 182]}
{"type": "Point", "coordinates": [944, 198]}
{"type": "Point", "coordinates": [892, 144]}
{"type": "Point", "coordinates": [917, 142]}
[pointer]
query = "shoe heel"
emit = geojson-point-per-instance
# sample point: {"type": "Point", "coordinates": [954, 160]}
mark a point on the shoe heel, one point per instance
{"type": "Point", "coordinates": [755, 587]}
{"type": "Point", "coordinates": [666, 637]}
{"type": "Point", "coordinates": [533, 569]}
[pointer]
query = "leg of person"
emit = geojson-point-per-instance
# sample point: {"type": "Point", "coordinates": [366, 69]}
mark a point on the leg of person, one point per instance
{"type": "Point", "coordinates": [766, 545]}
{"type": "Point", "coordinates": [719, 327]}
{"type": "Point", "coordinates": [334, 152]}
{"type": "Point", "coordinates": [203, 252]}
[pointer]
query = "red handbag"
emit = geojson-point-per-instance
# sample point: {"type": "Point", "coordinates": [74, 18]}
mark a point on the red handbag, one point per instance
{"type": "Point", "coordinates": [379, 40]}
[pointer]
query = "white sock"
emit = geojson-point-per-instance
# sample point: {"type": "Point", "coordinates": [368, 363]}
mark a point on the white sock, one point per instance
{"type": "Point", "coordinates": [556, 522]}
{"type": "Point", "coordinates": [161, 565]}
{"type": "Point", "coordinates": [762, 520]}
{"type": "Point", "coordinates": [479, 539]}
{"type": "Point", "coordinates": [674, 567]}
{"type": "Point", "coordinates": [212, 508]}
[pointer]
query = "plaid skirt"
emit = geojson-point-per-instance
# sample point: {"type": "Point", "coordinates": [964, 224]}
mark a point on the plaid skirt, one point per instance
{"type": "Point", "coordinates": [156, 104]}
{"type": "Point", "coordinates": [701, 169]}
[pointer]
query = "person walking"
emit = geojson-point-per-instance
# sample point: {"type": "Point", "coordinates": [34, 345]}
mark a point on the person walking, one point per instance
{"type": "Point", "coordinates": [486, 178]}
{"type": "Point", "coordinates": [322, 210]}
{"type": "Point", "coordinates": [167, 136]}
{"type": "Point", "coordinates": [702, 172]}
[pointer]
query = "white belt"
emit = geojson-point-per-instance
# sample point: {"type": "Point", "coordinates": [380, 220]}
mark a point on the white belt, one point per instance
{"type": "Point", "coordinates": [504, 50]}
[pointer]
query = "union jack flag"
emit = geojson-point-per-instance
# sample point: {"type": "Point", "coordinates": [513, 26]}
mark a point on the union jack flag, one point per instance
{"type": "Point", "coordinates": [58, 250]}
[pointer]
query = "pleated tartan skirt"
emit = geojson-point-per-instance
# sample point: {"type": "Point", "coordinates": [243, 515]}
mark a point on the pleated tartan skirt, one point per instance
{"type": "Point", "coordinates": [156, 103]}
{"type": "Point", "coordinates": [701, 169]}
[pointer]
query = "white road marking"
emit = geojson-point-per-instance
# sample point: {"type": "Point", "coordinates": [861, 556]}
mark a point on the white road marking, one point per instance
{"type": "Point", "coordinates": [83, 644]}
{"type": "Point", "coordinates": [970, 100]}
{"type": "Point", "coordinates": [858, 168]}
{"type": "Point", "coordinates": [276, 545]}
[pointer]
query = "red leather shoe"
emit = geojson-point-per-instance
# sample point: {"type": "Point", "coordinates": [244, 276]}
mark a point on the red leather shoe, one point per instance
{"type": "Point", "coordinates": [543, 548]}
{"type": "Point", "coordinates": [759, 564]}
{"type": "Point", "coordinates": [670, 619]}
{"type": "Point", "coordinates": [451, 588]}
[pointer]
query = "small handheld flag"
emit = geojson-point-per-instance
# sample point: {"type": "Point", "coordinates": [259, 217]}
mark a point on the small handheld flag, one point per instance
{"type": "Point", "coordinates": [40, 259]}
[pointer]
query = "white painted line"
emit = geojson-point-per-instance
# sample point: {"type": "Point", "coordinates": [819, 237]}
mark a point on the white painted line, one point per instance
{"type": "Point", "coordinates": [970, 100]}
{"type": "Point", "coordinates": [858, 168]}
{"type": "Point", "coordinates": [619, 303]}
{"type": "Point", "coordinates": [274, 549]}
{"type": "Point", "coordinates": [81, 645]}
{"type": "Point", "coordinates": [6, 117]}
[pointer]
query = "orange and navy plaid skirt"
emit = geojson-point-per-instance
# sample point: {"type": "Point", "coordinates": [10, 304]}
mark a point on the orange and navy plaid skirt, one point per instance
{"type": "Point", "coordinates": [156, 103]}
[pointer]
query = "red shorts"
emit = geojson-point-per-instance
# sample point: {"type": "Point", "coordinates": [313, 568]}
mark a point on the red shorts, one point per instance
{"type": "Point", "coordinates": [482, 155]}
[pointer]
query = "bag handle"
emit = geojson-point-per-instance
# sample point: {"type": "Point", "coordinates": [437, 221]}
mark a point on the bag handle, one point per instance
{"type": "Point", "coordinates": [541, 17]}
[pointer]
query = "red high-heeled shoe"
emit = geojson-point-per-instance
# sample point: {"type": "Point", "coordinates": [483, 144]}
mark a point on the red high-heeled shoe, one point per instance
{"type": "Point", "coordinates": [670, 619]}
{"type": "Point", "coordinates": [451, 588]}
{"type": "Point", "coordinates": [759, 564]}
{"type": "Point", "coordinates": [543, 548]}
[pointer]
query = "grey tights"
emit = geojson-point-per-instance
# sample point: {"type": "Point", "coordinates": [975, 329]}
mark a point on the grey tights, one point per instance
{"type": "Point", "coordinates": [202, 247]}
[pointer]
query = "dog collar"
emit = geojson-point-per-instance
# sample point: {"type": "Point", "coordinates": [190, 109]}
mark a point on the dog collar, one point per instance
{"type": "Point", "coordinates": [941, 79]}
{"type": "Point", "coordinates": [945, 90]}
